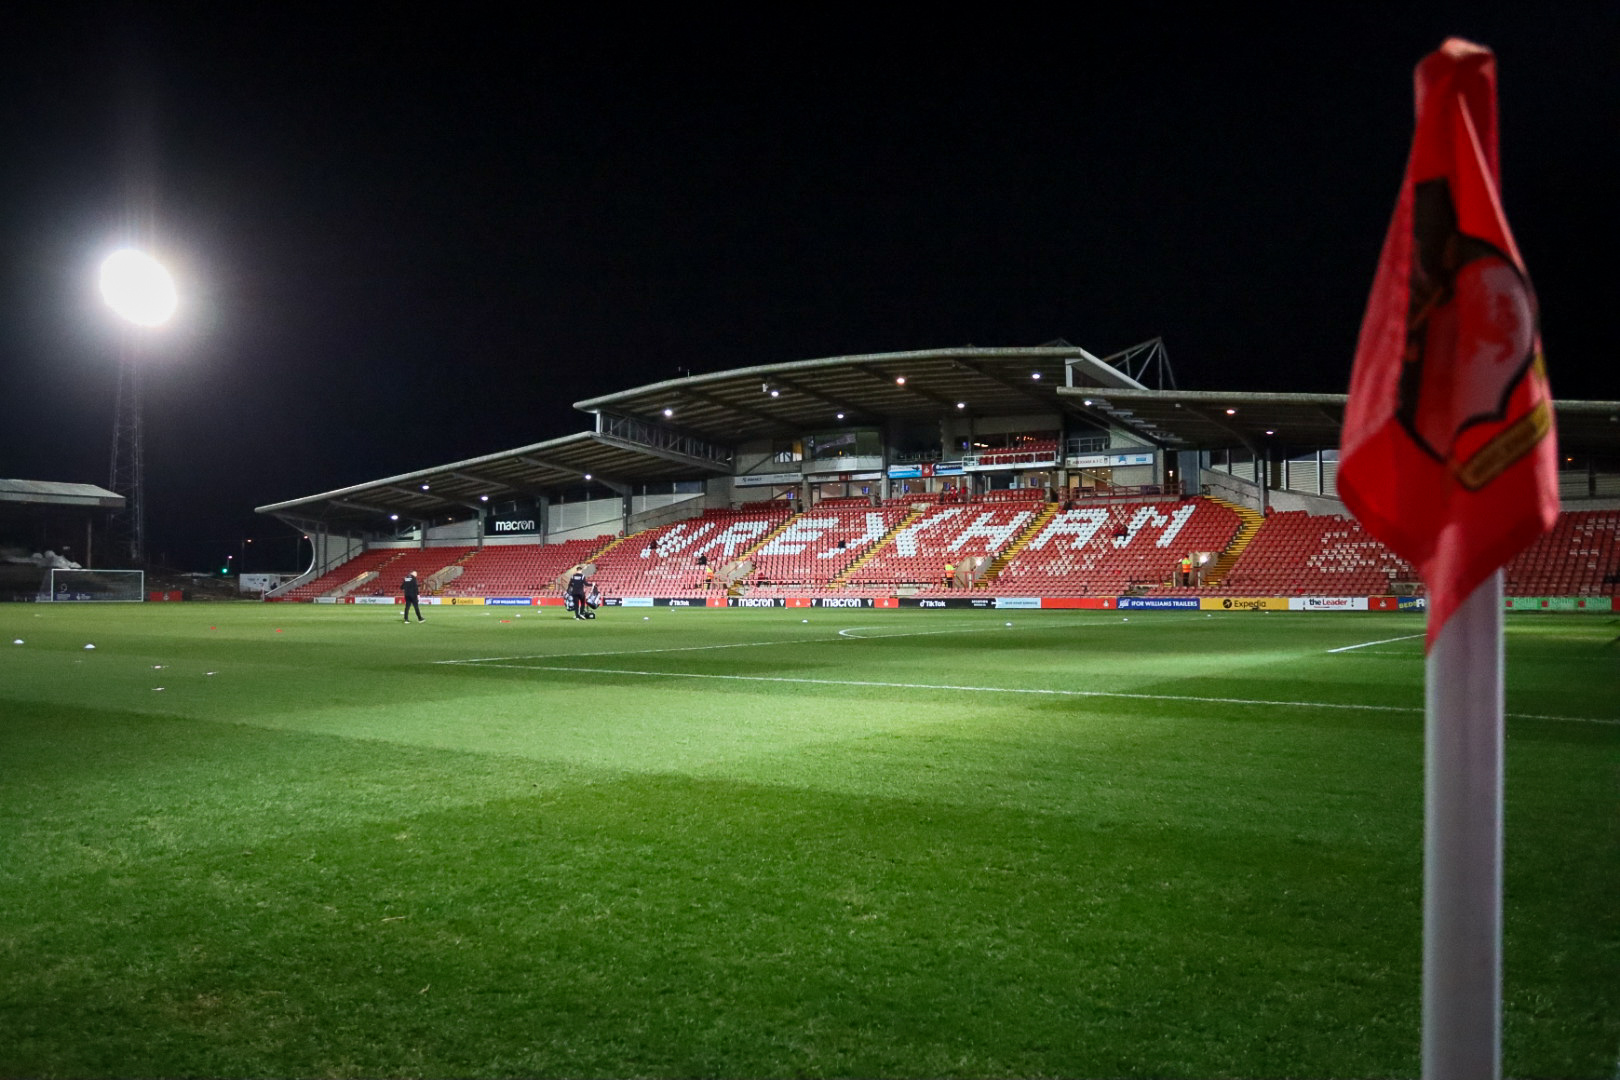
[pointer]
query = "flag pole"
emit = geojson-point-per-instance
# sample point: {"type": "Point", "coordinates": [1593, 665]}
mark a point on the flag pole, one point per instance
{"type": "Point", "coordinates": [1462, 843]}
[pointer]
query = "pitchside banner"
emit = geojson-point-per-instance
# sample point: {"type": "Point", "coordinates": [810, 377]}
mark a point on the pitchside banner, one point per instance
{"type": "Point", "coordinates": [1243, 603]}
{"type": "Point", "coordinates": [1158, 603]}
{"type": "Point", "coordinates": [1558, 603]}
{"type": "Point", "coordinates": [509, 601]}
{"type": "Point", "coordinates": [1327, 603]}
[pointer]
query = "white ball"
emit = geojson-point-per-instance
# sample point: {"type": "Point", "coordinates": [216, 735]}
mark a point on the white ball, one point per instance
{"type": "Point", "coordinates": [89, 646]}
{"type": "Point", "coordinates": [1124, 620]}
{"type": "Point", "coordinates": [1009, 624]}
{"type": "Point", "coordinates": [804, 620]}
{"type": "Point", "coordinates": [646, 618]}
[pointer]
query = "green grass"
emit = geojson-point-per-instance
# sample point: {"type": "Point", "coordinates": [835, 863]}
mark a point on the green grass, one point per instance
{"type": "Point", "coordinates": [849, 856]}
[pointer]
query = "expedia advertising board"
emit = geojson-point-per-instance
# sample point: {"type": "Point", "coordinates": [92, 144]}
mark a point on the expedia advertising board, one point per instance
{"type": "Point", "coordinates": [1243, 603]}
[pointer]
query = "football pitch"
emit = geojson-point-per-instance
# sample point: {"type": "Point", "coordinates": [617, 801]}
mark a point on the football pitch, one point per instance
{"type": "Point", "coordinates": [295, 840]}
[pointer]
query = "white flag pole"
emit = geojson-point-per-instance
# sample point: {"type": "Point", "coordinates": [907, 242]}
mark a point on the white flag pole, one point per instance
{"type": "Point", "coordinates": [1462, 843]}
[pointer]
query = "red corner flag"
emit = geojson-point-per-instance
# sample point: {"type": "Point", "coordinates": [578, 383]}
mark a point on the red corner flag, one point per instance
{"type": "Point", "coordinates": [1448, 453]}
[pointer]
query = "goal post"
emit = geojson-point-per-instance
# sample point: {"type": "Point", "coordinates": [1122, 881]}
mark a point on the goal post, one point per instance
{"type": "Point", "coordinates": [97, 586]}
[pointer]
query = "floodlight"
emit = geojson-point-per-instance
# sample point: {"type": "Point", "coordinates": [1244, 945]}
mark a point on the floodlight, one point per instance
{"type": "Point", "coordinates": [137, 287]}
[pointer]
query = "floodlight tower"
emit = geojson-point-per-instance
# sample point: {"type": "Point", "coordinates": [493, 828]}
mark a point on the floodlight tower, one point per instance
{"type": "Point", "coordinates": [139, 289]}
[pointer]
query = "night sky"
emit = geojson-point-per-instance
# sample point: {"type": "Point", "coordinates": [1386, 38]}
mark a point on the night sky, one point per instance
{"type": "Point", "coordinates": [406, 239]}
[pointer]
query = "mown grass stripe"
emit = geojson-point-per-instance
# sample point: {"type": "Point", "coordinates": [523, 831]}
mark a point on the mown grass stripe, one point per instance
{"type": "Point", "coordinates": [1049, 691]}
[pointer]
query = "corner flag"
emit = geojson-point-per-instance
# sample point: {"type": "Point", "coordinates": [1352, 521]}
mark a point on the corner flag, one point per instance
{"type": "Point", "coordinates": [1448, 453]}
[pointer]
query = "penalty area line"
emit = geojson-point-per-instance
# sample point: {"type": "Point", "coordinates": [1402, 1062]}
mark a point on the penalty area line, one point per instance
{"type": "Point", "coordinates": [1038, 691]}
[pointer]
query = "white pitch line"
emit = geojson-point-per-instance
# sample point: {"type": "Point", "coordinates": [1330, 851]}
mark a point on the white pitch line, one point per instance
{"type": "Point", "coordinates": [615, 652]}
{"type": "Point", "coordinates": [701, 648]}
{"type": "Point", "coordinates": [851, 632]}
{"type": "Point", "coordinates": [1366, 644]}
{"type": "Point", "coordinates": [1351, 706]}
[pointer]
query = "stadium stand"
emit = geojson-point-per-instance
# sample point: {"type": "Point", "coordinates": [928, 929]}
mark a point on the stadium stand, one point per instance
{"type": "Point", "coordinates": [1296, 553]}
{"type": "Point", "coordinates": [521, 569]}
{"type": "Point", "coordinates": [1579, 557]}
{"type": "Point", "coordinates": [334, 580]}
{"type": "Point", "coordinates": [664, 561]}
{"type": "Point", "coordinates": [1114, 549]}
{"type": "Point", "coordinates": [805, 557]}
{"type": "Point", "coordinates": [918, 550]}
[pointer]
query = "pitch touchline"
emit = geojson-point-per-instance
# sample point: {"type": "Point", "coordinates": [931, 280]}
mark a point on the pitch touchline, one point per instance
{"type": "Point", "coordinates": [1020, 690]}
{"type": "Point", "coordinates": [1366, 644]}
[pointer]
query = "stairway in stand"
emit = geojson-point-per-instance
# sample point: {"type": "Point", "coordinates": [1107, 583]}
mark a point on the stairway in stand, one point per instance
{"type": "Point", "coordinates": [878, 545]}
{"type": "Point", "coordinates": [1252, 520]}
{"type": "Point", "coordinates": [1005, 556]}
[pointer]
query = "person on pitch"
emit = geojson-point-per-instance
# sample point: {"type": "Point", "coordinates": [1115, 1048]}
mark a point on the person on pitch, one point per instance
{"type": "Point", "coordinates": [576, 593]}
{"type": "Point", "coordinates": [412, 589]}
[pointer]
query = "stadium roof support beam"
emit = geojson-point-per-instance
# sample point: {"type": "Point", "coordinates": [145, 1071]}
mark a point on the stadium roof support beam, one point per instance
{"type": "Point", "coordinates": [615, 486]}
{"type": "Point", "coordinates": [1148, 354]}
{"type": "Point", "coordinates": [904, 387]}
{"type": "Point", "coordinates": [1043, 404]}
{"type": "Point", "coordinates": [658, 440]}
{"type": "Point", "coordinates": [658, 452]}
{"type": "Point", "coordinates": [732, 406]}
{"type": "Point", "coordinates": [847, 410]}
{"type": "Point", "coordinates": [352, 505]}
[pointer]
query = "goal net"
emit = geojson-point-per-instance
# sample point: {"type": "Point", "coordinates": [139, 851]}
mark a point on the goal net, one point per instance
{"type": "Point", "coordinates": [90, 586]}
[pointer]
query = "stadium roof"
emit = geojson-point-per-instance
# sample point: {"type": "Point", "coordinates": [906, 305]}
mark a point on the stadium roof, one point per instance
{"type": "Point", "coordinates": [53, 493]}
{"type": "Point", "coordinates": [1215, 419]}
{"type": "Point", "coordinates": [789, 400]}
{"type": "Point", "coordinates": [688, 428]}
{"type": "Point", "coordinates": [538, 469]}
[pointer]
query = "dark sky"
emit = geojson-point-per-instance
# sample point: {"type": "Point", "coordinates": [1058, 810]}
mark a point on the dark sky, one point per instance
{"type": "Point", "coordinates": [405, 238]}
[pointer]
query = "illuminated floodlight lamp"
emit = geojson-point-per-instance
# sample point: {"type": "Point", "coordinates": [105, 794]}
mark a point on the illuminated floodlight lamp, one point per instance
{"type": "Point", "coordinates": [1035, 375]}
{"type": "Point", "coordinates": [424, 487]}
{"type": "Point", "coordinates": [900, 380]}
{"type": "Point", "coordinates": [587, 476]}
{"type": "Point", "coordinates": [840, 416]}
{"type": "Point", "coordinates": [483, 498]}
{"type": "Point", "coordinates": [393, 517]}
{"type": "Point", "coordinates": [961, 404]}
{"type": "Point", "coordinates": [1231, 412]}
{"type": "Point", "coordinates": [138, 288]}
{"type": "Point", "coordinates": [669, 412]}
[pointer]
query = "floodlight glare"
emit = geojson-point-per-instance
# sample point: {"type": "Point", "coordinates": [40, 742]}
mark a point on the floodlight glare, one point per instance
{"type": "Point", "coordinates": [136, 286]}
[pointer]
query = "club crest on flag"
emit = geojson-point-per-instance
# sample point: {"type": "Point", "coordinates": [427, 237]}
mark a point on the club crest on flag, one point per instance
{"type": "Point", "coordinates": [1470, 345]}
{"type": "Point", "coordinates": [1448, 453]}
